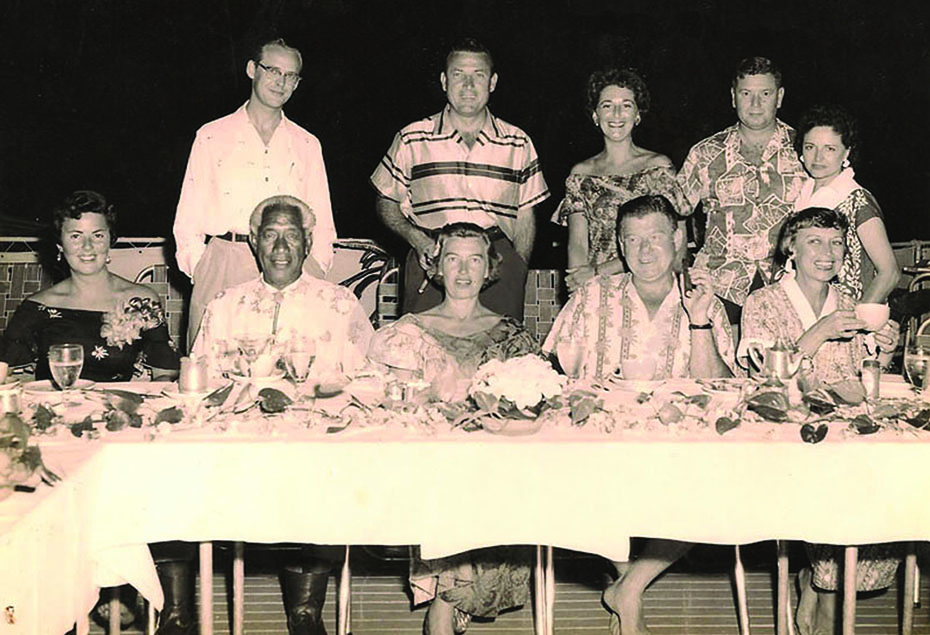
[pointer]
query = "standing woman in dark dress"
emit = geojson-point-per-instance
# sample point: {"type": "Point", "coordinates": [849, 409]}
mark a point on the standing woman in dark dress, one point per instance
{"type": "Point", "coordinates": [117, 321]}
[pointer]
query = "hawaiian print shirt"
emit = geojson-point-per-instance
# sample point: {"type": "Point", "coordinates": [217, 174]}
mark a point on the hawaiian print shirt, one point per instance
{"type": "Point", "coordinates": [609, 322]}
{"type": "Point", "coordinates": [745, 204]}
{"type": "Point", "coordinates": [325, 312]}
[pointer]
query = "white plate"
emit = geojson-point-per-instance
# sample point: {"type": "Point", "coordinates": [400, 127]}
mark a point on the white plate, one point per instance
{"type": "Point", "coordinates": [634, 385]}
{"type": "Point", "coordinates": [242, 379]}
{"type": "Point", "coordinates": [172, 390]}
{"type": "Point", "coordinates": [729, 385]}
{"type": "Point", "coordinates": [46, 386]}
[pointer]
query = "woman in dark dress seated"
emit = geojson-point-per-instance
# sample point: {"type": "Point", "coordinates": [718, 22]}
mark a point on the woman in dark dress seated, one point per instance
{"type": "Point", "coordinates": [119, 323]}
{"type": "Point", "coordinates": [445, 346]}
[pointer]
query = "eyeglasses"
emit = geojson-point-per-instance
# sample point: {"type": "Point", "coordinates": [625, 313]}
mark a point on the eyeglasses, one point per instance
{"type": "Point", "coordinates": [289, 77]}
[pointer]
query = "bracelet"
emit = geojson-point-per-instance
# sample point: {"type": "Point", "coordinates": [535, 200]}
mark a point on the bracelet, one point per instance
{"type": "Point", "coordinates": [701, 327]}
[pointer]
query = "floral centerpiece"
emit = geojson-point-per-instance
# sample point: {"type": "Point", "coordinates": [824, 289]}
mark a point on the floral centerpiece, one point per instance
{"type": "Point", "coordinates": [506, 391]}
{"type": "Point", "coordinates": [124, 323]}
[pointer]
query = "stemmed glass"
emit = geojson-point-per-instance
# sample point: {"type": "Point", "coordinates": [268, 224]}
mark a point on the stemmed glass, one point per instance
{"type": "Point", "coordinates": [916, 360]}
{"type": "Point", "coordinates": [251, 347]}
{"type": "Point", "coordinates": [301, 351]}
{"type": "Point", "coordinates": [65, 362]}
{"type": "Point", "coordinates": [571, 358]}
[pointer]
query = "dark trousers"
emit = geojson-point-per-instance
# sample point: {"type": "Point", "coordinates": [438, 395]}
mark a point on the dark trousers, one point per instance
{"type": "Point", "coordinates": [505, 296]}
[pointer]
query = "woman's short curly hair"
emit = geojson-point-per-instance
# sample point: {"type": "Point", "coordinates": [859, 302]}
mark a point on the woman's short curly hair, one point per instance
{"type": "Point", "coordinates": [464, 230]}
{"type": "Point", "coordinates": [83, 202]}
{"type": "Point", "coordinates": [622, 78]}
{"type": "Point", "coordinates": [841, 120]}
{"type": "Point", "coordinates": [819, 217]}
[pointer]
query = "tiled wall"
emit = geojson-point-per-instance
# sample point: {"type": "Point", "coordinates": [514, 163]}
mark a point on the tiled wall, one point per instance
{"type": "Point", "coordinates": [541, 305]}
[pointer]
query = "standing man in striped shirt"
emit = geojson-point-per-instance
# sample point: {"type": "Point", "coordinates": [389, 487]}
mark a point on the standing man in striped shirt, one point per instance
{"type": "Point", "coordinates": [463, 164]}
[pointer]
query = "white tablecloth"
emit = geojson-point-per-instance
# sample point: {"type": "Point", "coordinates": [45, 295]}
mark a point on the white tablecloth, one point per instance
{"type": "Point", "coordinates": [448, 493]}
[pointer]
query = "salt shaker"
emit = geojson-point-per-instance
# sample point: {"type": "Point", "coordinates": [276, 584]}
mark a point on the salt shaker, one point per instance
{"type": "Point", "coordinates": [193, 377]}
{"type": "Point", "coordinates": [871, 373]}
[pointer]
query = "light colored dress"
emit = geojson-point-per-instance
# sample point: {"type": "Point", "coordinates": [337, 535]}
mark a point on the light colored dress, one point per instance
{"type": "Point", "coordinates": [858, 205]}
{"type": "Point", "coordinates": [447, 362]}
{"type": "Point", "coordinates": [485, 581]}
{"type": "Point", "coordinates": [781, 311]}
{"type": "Point", "coordinates": [599, 197]}
{"type": "Point", "coordinates": [608, 320]}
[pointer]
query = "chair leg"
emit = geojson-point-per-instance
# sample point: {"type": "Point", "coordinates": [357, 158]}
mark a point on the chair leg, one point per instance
{"type": "Point", "coordinates": [783, 622]}
{"type": "Point", "coordinates": [206, 588]}
{"type": "Point", "coordinates": [113, 628]}
{"type": "Point", "coordinates": [149, 619]}
{"type": "Point", "coordinates": [238, 582]}
{"type": "Point", "coordinates": [739, 574]}
{"type": "Point", "coordinates": [910, 575]}
{"type": "Point", "coordinates": [344, 598]}
{"type": "Point", "coordinates": [850, 558]}
{"type": "Point", "coordinates": [916, 580]}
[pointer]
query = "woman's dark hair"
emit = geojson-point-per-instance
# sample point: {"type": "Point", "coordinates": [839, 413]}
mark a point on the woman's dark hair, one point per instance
{"type": "Point", "coordinates": [836, 117]}
{"type": "Point", "coordinates": [465, 230]}
{"type": "Point", "coordinates": [83, 202]}
{"type": "Point", "coordinates": [622, 78]}
{"type": "Point", "coordinates": [819, 217]}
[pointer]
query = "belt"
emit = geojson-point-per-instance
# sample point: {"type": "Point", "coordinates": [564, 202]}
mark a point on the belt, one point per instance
{"type": "Point", "coordinates": [493, 233]}
{"type": "Point", "coordinates": [233, 238]}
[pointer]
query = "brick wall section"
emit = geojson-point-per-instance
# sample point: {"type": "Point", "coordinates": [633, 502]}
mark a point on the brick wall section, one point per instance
{"type": "Point", "coordinates": [541, 304]}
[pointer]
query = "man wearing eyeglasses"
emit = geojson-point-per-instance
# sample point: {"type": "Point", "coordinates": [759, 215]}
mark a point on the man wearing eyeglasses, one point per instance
{"type": "Point", "coordinates": [235, 163]}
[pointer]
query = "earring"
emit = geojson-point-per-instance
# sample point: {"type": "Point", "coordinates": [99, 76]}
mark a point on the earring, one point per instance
{"type": "Point", "coordinates": [789, 265]}
{"type": "Point", "coordinates": [109, 260]}
{"type": "Point", "coordinates": [638, 119]}
{"type": "Point", "coordinates": [59, 255]}
{"type": "Point", "coordinates": [845, 163]}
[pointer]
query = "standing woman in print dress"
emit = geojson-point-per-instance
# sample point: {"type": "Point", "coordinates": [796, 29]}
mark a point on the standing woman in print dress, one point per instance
{"type": "Point", "coordinates": [828, 143]}
{"type": "Point", "coordinates": [617, 99]}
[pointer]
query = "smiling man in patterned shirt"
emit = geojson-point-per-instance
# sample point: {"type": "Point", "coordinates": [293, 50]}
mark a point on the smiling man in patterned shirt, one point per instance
{"type": "Point", "coordinates": [746, 177]}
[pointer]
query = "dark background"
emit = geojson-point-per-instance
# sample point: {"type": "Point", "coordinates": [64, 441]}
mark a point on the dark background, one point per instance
{"type": "Point", "coordinates": [107, 94]}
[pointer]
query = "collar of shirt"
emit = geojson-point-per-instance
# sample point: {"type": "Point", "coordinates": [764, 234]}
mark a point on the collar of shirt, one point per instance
{"type": "Point", "coordinates": [288, 290]}
{"type": "Point", "coordinates": [444, 127]}
{"type": "Point", "coordinates": [801, 306]}
{"type": "Point", "coordinates": [780, 139]}
{"type": "Point", "coordinates": [830, 195]}
{"type": "Point", "coordinates": [242, 117]}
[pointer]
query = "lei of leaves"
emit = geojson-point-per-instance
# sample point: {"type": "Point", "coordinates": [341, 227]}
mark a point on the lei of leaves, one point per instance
{"type": "Point", "coordinates": [823, 404]}
{"type": "Point", "coordinates": [469, 415]}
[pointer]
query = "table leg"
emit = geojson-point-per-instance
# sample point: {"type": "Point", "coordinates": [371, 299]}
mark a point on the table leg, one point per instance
{"type": "Point", "coordinates": [910, 574]}
{"type": "Point", "coordinates": [539, 594]}
{"type": "Point", "coordinates": [742, 604]}
{"type": "Point", "coordinates": [206, 588]}
{"type": "Point", "coordinates": [782, 595]}
{"type": "Point", "coordinates": [850, 558]}
{"type": "Point", "coordinates": [114, 626]}
{"type": "Point", "coordinates": [344, 597]}
{"type": "Point", "coordinates": [916, 580]}
{"type": "Point", "coordinates": [549, 583]}
{"type": "Point", "coordinates": [238, 580]}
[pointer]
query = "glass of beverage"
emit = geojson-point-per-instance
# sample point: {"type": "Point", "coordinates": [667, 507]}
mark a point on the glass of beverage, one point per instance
{"type": "Point", "coordinates": [251, 347]}
{"type": "Point", "coordinates": [65, 362]}
{"type": "Point", "coordinates": [301, 351]}
{"type": "Point", "coordinates": [571, 358]}
{"type": "Point", "coordinates": [916, 360]}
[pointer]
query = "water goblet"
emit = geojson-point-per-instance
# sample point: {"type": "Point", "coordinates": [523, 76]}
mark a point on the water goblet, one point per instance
{"type": "Point", "coordinates": [301, 351]}
{"type": "Point", "coordinates": [65, 362]}
{"type": "Point", "coordinates": [916, 360]}
{"type": "Point", "coordinates": [250, 348]}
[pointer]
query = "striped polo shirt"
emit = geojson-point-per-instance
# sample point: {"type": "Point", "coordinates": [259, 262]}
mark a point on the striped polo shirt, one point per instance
{"type": "Point", "coordinates": [437, 179]}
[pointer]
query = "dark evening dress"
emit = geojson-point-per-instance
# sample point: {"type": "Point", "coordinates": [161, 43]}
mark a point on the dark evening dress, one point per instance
{"type": "Point", "coordinates": [35, 327]}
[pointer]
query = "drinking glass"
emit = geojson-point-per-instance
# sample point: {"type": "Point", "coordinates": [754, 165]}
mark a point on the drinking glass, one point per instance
{"type": "Point", "coordinates": [65, 362]}
{"type": "Point", "coordinates": [250, 348]}
{"type": "Point", "coordinates": [916, 360]}
{"type": "Point", "coordinates": [301, 351]}
{"type": "Point", "coordinates": [571, 358]}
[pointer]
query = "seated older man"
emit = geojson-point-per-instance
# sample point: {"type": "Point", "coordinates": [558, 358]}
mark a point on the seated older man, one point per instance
{"type": "Point", "coordinates": [644, 325]}
{"type": "Point", "coordinates": [282, 304]}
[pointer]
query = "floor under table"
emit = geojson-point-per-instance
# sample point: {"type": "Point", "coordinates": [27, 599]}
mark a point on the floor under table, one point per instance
{"type": "Point", "coordinates": [696, 597]}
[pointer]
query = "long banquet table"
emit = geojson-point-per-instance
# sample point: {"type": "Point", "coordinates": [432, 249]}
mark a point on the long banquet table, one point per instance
{"type": "Point", "coordinates": [576, 488]}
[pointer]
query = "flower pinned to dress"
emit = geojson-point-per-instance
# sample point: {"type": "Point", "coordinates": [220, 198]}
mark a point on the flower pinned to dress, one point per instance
{"type": "Point", "coordinates": [100, 352]}
{"type": "Point", "coordinates": [125, 323]}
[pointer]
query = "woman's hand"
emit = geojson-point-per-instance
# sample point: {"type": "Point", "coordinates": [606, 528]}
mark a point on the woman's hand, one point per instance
{"type": "Point", "coordinates": [577, 276]}
{"type": "Point", "coordinates": [697, 301]}
{"type": "Point", "coordinates": [839, 325]}
{"type": "Point", "coordinates": [886, 338]}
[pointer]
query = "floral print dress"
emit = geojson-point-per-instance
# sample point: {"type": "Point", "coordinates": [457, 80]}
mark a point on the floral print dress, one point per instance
{"type": "Point", "coordinates": [35, 327]}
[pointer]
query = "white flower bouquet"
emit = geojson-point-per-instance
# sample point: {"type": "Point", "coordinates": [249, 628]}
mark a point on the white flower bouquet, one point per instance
{"type": "Point", "coordinates": [505, 391]}
{"type": "Point", "coordinates": [124, 323]}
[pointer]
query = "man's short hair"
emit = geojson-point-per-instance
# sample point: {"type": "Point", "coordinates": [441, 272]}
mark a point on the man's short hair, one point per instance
{"type": "Point", "coordinates": [836, 117]}
{"type": "Point", "coordinates": [259, 49]}
{"type": "Point", "coordinates": [643, 206]}
{"type": "Point", "coordinates": [283, 203]}
{"type": "Point", "coordinates": [622, 78]}
{"type": "Point", "coordinates": [757, 66]}
{"type": "Point", "coordinates": [467, 45]}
